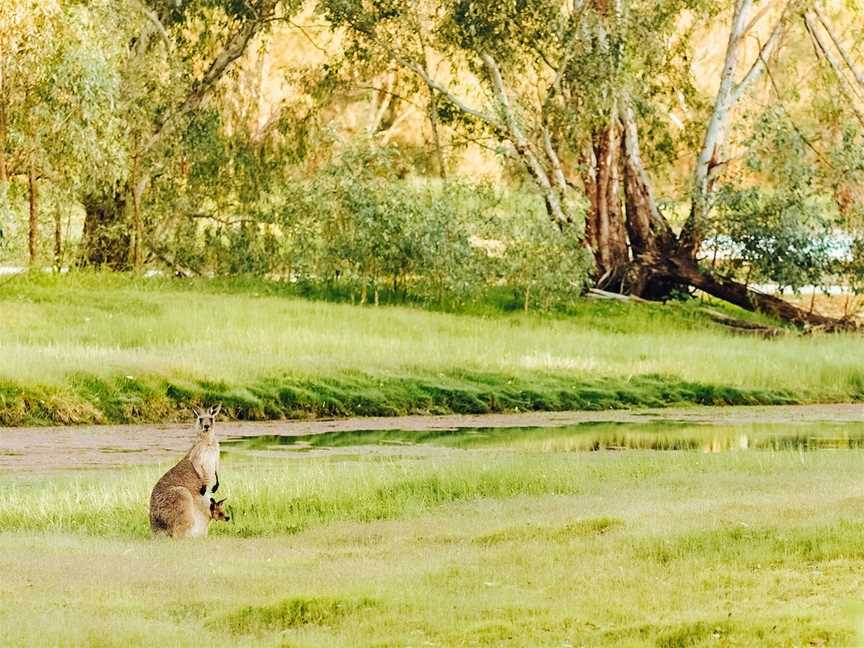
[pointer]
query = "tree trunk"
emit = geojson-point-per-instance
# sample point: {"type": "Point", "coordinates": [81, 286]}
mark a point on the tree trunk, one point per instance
{"type": "Point", "coordinates": [33, 231]}
{"type": "Point", "coordinates": [436, 137]}
{"type": "Point", "coordinates": [662, 261]}
{"type": "Point", "coordinates": [686, 272]}
{"type": "Point", "coordinates": [58, 239]}
{"type": "Point", "coordinates": [106, 241]}
{"type": "Point", "coordinates": [137, 187]}
{"type": "Point", "coordinates": [604, 228]}
{"type": "Point", "coordinates": [4, 171]}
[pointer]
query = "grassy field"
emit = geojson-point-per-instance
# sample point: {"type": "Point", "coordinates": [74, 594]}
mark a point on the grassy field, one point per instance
{"type": "Point", "coordinates": [110, 348]}
{"type": "Point", "coordinates": [484, 547]}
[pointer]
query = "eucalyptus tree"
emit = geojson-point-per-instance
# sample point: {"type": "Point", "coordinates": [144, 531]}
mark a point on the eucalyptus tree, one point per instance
{"type": "Point", "coordinates": [577, 93]}
{"type": "Point", "coordinates": [58, 87]}
{"type": "Point", "coordinates": [176, 54]}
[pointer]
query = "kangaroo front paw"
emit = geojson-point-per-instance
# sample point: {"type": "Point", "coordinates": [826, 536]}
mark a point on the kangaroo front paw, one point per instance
{"type": "Point", "coordinates": [203, 489]}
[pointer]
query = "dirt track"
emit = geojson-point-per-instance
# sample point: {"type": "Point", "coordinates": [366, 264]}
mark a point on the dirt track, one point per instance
{"type": "Point", "coordinates": [27, 450]}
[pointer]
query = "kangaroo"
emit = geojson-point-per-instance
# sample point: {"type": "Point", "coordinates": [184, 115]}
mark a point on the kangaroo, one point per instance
{"type": "Point", "coordinates": [178, 506]}
{"type": "Point", "coordinates": [204, 455]}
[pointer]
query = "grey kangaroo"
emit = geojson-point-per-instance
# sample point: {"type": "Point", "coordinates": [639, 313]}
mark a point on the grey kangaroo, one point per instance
{"type": "Point", "coordinates": [178, 506]}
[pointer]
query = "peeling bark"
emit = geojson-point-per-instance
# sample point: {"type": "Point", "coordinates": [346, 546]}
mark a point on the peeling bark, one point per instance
{"type": "Point", "coordinates": [605, 223]}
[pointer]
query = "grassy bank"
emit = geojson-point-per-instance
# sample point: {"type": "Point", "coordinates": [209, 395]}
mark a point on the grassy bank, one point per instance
{"type": "Point", "coordinates": [109, 348]}
{"type": "Point", "coordinates": [470, 548]}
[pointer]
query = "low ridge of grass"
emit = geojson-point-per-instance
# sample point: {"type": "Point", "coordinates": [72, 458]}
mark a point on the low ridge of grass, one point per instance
{"type": "Point", "coordinates": [91, 348]}
{"type": "Point", "coordinates": [126, 399]}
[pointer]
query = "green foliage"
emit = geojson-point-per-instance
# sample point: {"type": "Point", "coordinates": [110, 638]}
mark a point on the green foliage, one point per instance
{"type": "Point", "coordinates": [60, 86]}
{"type": "Point", "coordinates": [777, 236]}
{"type": "Point", "coordinates": [359, 228]}
{"type": "Point", "coordinates": [546, 267]}
{"type": "Point", "coordinates": [787, 233]}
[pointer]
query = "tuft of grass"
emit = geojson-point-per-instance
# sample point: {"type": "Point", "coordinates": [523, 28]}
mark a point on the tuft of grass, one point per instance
{"type": "Point", "coordinates": [292, 613]}
{"type": "Point", "coordinates": [762, 545]}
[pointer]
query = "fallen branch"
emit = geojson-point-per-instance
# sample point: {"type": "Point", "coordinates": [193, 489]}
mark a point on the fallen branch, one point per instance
{"type": "Point", "coordinates": [596, 293]}
{"type": "Point", "coordinates": [743, 326]}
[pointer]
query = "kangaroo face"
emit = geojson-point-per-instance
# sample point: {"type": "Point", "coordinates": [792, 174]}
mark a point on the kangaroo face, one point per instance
{"type": "Point", "coordinates": [206, 419]}
{"type": "Point", "coordinates": [217, 510]}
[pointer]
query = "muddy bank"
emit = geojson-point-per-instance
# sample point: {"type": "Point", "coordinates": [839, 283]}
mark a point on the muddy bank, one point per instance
{"type": "Point", "coordinates": [28, 450]}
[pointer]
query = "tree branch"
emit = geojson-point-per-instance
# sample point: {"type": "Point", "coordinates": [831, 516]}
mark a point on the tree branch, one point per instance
{"type": "Point", "coordinates": [859, 76]}
{"type": "Point", "coordinates": [523, 146]}
{"type": "Point", "coordinates": [765, 52]}
{"type": "Point", "coordinates": [429, 81]}
{"type": "Point", "coordinates": [825, 53]}
{"type": "Point", "coordinates": [691, 234]}
{"type": "Point", "coordinates": [154, 20]}
{"type": "Point", "coordinates": [234, 49]}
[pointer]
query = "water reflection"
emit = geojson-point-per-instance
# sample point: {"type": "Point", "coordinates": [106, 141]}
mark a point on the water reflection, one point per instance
{"type": "Point", "coordinates": [586, 437]}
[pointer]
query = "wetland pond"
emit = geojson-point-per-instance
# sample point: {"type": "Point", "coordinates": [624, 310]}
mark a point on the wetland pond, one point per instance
{"type": "Point", "coordinates": [798, 428]}
{"type": "Point", "coordinates": [662, 436]}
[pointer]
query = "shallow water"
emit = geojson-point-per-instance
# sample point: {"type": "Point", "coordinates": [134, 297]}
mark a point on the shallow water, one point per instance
{"type": "Point", "coordinates": [584, 437]}
{"type": "Point", "coordinates": [29, 451]}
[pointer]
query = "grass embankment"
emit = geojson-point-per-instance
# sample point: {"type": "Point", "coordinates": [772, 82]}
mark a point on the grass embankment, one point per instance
{"type": "Point", "coordinates": [483, 548]}
{"type": "Point", "coordinates": [106, 348]}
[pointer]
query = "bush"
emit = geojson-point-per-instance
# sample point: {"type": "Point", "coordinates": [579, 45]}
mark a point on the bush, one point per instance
{"type": "Point", "coordinates": [358, 228]}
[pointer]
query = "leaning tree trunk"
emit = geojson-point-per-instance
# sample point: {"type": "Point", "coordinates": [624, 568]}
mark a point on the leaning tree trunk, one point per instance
{"type": "Point", "coordinates": [106, 240]}
{"type": "Point", "coordinates": [686, 272]}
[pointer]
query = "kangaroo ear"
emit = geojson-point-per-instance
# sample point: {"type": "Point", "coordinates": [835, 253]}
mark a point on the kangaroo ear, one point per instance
{"type": "Point", "coordinates": [195, 412]}
{"type": "Point", "coordinates": [215, 410]}
{"type": "Point", "coordinates": [222, 501]}
{"type": "Point", "coordinates": [213, 501]}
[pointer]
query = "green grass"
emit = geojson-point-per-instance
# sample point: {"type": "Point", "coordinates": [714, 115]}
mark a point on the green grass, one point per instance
{"type": "Point", "coordinates": [473, 548]}
{"type": "Point", "coordinates": [111, 348]}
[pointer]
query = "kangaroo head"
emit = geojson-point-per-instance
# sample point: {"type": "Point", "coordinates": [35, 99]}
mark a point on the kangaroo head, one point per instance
{"type": "Point", "coordinates": [206, 419]}
{"type": "Point", "coordinates": [217, 510]}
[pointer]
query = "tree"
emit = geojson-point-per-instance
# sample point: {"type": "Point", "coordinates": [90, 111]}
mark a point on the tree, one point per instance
{"type": "Point", "coordinates": [58, 83]}
{"type": "Point", "coordinates": [566, 88]}
{"type": "Point", "coordinates": [176, 57]}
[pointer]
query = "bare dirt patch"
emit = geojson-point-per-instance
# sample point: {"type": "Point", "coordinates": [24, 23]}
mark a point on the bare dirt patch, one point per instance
{"type": "Point", "coordinates": [41, 449]}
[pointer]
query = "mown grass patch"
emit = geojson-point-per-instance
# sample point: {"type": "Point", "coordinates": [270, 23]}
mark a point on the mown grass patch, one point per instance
{"type": "Point", "coordinates": [484, 547]}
